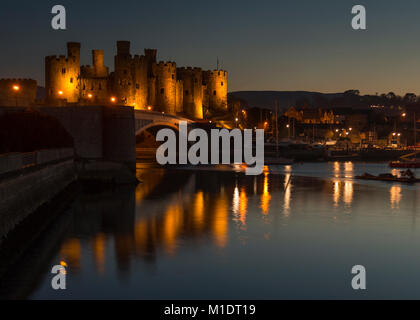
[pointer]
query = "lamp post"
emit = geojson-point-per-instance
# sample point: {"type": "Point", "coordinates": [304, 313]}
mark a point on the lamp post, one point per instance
{"type": "Point", "coordinates": [16, 89]}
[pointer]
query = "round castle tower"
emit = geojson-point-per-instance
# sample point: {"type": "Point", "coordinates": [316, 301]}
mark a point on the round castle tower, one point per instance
{"type": "Point", "coordinates": [216, 82]}
{"type": "Point", "coordinates": [192, 91]}
{"type": "Point", "coordinates": [122, 80]}
{"type": "Point", "coordinates": [62, 75]}
{"type": "Point", "coordinates": [166, 87]}
{"type": "Point", "coordinates": [140, 84]}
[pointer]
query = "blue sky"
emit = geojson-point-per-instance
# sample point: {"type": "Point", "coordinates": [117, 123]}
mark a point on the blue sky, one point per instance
{"type": "Point", "coordinates": [265, 45]}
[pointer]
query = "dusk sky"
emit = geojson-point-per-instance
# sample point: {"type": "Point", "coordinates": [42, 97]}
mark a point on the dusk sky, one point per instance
{"type": "Point", "coordinates": [264, 45]}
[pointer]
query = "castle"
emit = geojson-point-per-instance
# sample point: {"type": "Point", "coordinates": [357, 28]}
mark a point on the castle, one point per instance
{"type": "Point", "coordinates": [138, 81]}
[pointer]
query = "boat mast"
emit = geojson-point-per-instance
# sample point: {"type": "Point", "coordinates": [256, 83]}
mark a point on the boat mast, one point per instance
{"type": "Point", "coordinates": [415, 137]}
{"type": "Point", "coordinates": [277, 129]}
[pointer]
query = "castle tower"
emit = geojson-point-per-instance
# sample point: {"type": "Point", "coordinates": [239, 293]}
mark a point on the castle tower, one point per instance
{"type": "Point", "coordinates": [94, 81]}
{"type": "Point", "coordinates": [179, 98]}
{"type": "Point", "coordinates": [150, 55]}
{"type": "Point", "coordinates": [166, 87]}
{"type": "Point", "coordinates": [216, 89]}
{"type": "Point", "coordinates": [100, 71]}
{"type": "Point", "coordinates": [122, 86]}
{"type": "Point", "coordinates": [62, 76]}
{"type": "Point", "coordinates": [140, 83]}
{"type": "Point", "coordinates": [192, 91]}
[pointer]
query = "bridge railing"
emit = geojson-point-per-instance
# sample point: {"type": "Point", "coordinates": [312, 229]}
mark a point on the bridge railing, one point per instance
{"type": "Point", "coordinates": [154, 115]}
{"type": "Point", "coordinates": [11, 162]}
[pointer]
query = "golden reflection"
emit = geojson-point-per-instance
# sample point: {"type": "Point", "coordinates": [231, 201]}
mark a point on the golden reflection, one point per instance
{"type": "Point", "coordinates": [348, 193]}
{"type": "Point", "coordinates": [220, 224]}
{"type": "Point", "coordinates": [199, 210]}
{"type": "Point", "coordinates": [265, 197]}
{"type": "Point", "coordinates": [235, 201]}
{"type": "Point", "coordinates": [287, 194]}
{"type": "Point", "coordinates": [395, 196]}
{"type": "Point", "coordinates": [348, 170]}
{"type": "Point", "coordinates": [99, 251]}
{"type": "Point", "coordinates": [336, 195]}
{"type": "Point", "coordinates": [149, 183]}
{"type": "Point", "coordinates": [337, 169]}
{"type": "Point", "coordinates": [172, 223]}
{"type": "Point", "coordinates": [71, 251]}
{"type": "Point", "coordinates": [243, 206]}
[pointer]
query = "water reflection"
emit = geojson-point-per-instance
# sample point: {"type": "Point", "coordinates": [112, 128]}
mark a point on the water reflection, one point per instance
{"type": "Point", "coordinates": [125, 232]}
{"type": "Point", "coordinates": [265, 197]}
{"type": "Point", "coordinates": [395, 196]}
{"type": "Point", "coordinates": [287, 193]}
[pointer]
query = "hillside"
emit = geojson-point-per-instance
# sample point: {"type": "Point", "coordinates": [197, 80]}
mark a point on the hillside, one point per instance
{"type": "Point", "coordinates": [265, 99]}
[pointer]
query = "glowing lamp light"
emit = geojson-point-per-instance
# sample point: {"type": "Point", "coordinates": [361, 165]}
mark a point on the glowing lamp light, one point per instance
{"type": "Point", "coordinates": [149, 108]}
{"type": "Point", "coordinates": [90, 96]}
{"type": "Point", "coordinates": [60, 93]}
{"type": "Point", "coordinates": [394, 134]}
{"type": "Point", "coordinates": [113, 99]}
{"type": "Point", "coordinates": [404, 114]}
{"type": "Point", "coordinates": [16, 88]}
{"type": "Point", "coordinates": [236, 119]}
{"type": "Point", "coordinates": [399, 134]}
{"type": "Point", "coordinates": [288, 126]}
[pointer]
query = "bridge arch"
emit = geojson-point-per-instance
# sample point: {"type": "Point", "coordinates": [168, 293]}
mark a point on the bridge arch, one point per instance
{"type": "Point", "coordinates": [157, 124]}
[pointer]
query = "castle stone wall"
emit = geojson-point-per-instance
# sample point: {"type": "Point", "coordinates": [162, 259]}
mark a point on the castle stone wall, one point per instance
{"type": "Point", "coordinates": [193, 91]}
{"type": "Point", "coordinates": [216, 89]}
{"type": "Point", "coordinates": [166, 87]}
{"type": "Point", "coordinates": [137, 81]}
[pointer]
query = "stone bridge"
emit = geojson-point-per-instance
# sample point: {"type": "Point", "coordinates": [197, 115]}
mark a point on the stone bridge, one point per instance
{"type": "Point", "coordinates": [148, 119]}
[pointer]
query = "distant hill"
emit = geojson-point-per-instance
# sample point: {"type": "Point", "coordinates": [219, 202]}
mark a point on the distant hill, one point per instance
{"type": "Point", "coordinates": [265, 99]}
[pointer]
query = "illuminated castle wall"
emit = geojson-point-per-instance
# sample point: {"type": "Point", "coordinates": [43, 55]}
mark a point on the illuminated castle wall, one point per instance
{"type": "Point", "coordinates": [62, 75]}
{"type": "Point", "coordinates": [138, 81]}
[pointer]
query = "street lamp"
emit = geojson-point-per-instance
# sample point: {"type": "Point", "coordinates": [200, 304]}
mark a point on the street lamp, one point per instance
{"type": "Point", "coordinates": [16, 89]}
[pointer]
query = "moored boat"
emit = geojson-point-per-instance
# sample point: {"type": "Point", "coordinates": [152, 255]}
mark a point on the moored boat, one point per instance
{"type": "Point", "coordinates": [388, 178]}
{"type": "Point", "coordinates": [406, 164]}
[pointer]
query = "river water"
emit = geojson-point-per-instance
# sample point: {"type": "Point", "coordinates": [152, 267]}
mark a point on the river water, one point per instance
{"type": "Point", "coordinates": [295, 232]}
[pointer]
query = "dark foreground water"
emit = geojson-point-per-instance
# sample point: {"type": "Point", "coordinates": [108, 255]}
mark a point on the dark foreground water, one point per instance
{"type": "Point", "coordinates": [293, 232]}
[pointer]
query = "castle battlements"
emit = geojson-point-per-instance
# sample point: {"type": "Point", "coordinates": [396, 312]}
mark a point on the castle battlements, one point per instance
{"type": "Point", "coordinates": [137, 80]}
{"type": "Point", "coordinates": [13, 81]}
{"type": "Point", "coordinates": [168, 64]}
